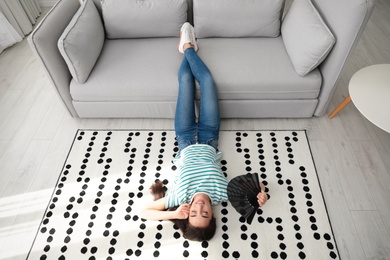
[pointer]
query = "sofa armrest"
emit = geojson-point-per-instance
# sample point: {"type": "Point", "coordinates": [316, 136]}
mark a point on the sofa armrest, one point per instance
{"type": "Point", "coordinates": [43, 41]}
{"type": "Point", "coordinates": [347, 20]}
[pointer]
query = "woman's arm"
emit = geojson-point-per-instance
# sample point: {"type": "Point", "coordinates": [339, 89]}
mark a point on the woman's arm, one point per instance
{"type": "Point", "coordinates": [156, 211]}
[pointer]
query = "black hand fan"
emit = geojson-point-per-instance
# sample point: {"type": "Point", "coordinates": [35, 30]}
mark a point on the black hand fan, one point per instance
{"type": "Point", "coordinates": [242, 193]}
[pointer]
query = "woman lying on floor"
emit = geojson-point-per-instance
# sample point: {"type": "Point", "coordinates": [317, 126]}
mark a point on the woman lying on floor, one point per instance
{"type": "Point", "coordinates": [200, 182]}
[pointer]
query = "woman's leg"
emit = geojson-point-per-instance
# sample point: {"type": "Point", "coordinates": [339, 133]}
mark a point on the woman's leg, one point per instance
{"type": "Point", "coordinates": [209, 117]}
{"type": "Point", "coordinates": [185, 125]}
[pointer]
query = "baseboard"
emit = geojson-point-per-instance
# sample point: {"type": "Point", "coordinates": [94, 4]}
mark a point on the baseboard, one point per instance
{"type": "Point", "coordinates": [47, 3]}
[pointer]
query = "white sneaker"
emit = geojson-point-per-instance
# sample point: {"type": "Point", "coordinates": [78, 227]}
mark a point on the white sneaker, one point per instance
{"type": "Point", "coordinates": [187, 35]}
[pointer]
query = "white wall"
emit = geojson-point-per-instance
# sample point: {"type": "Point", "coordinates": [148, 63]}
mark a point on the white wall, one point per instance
{"type": "Point", "coordinates": [46, 3]}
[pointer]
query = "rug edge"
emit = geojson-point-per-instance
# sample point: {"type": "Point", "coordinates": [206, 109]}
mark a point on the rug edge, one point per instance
{"type": "Point", "coordinates": [52, 194]}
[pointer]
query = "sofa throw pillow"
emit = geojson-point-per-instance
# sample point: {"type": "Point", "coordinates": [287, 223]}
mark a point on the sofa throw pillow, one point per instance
{"type": "Point", "coordinates": [82, 41]}
{"type": "Point", "coordinates": [237, 18]}
{"type": "Point", "coordinates": [143, 19]}
{"type": "Point", "coordinates": [306, 37]}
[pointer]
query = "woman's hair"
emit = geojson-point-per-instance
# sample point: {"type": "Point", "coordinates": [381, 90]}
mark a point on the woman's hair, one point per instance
{"type": "Point", "coordinates": [189, 232]}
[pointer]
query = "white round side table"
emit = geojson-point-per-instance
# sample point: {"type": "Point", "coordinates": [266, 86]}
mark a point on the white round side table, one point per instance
{"type": "Point", "coordinates": [369, 90]}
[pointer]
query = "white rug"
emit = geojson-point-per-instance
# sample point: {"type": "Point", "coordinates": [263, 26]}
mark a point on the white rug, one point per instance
{"type": "Point", "coordinates": [93, 212]}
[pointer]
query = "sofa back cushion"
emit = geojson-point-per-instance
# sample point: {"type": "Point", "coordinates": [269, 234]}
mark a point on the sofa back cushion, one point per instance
{"type": "Point", "coordinates": [143, 19]}
{"type": "Point", "coordinates": [237, 18]}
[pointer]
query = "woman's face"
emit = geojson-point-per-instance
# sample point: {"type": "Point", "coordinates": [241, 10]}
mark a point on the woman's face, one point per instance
{"type": "Point", "coordinates": [201, 212]}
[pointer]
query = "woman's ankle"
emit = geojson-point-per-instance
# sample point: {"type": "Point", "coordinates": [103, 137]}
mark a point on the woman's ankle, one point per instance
{"type": "Point", "coordinates": [187, 45]}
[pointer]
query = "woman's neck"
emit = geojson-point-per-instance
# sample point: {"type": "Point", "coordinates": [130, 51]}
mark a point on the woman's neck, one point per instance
{"type": "Point", "coordinates": [201, 196]}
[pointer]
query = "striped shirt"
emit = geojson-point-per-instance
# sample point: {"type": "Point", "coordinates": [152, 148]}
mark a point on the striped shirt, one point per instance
{"type": "Point", "coordinates": [199, 172]}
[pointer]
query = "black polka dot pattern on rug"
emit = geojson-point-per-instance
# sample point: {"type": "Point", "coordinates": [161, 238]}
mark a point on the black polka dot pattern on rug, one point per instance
{"type": "Point", "coordinates": [94, 209]}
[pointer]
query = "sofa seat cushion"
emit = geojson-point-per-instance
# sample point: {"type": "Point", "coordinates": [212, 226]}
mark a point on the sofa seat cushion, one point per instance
{"type": "Point", "coordinates": [145, 70]}
{"type": "Point", "coordinates": [133, 70]}
{"type": "Point", "coordinates": [256, 69]}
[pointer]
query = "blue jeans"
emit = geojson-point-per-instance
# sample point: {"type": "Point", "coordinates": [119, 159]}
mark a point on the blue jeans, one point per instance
{"type": "Point", "coordinates": [188, 130]}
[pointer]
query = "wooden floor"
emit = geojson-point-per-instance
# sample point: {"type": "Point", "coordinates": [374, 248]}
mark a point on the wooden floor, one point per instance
{"type": "Point", "coordinates": [352, 156]}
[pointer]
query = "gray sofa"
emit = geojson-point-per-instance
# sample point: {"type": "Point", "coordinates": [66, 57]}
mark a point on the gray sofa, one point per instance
{"type": "Point", "coordinates": [119, 58]}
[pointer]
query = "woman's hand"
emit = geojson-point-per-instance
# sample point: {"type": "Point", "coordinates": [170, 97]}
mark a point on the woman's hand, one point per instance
{"type": "Point", "coordinates": [262, 196]}
{"type": "Point", "coordinates": [183, 211]}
